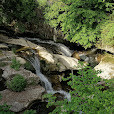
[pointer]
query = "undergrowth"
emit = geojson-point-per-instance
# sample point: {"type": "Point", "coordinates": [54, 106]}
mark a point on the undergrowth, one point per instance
{"type": "Point", "coordinates": [18, 83]}
{"type": "Point", "coordinates": [15, 64]}
{"type": "Point", "coordinates": [87, 96]}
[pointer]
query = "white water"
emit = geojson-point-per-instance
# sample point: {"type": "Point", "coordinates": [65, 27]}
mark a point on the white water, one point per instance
{"type": "Point", "coordinates": [36, 64]}
{"type": "Point", "coordinates": [64, 49]}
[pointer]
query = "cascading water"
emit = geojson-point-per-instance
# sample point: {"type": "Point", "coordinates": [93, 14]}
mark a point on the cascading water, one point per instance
{"type": "Point", "coordinates": [36, 64]}
{"type": "Point", "coordinates": [64, 49]}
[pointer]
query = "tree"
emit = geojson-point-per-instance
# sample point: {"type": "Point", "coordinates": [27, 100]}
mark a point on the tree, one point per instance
{"type": "Point", "coordinates": [17, 13]}
{"type": "Point", "coordinates": [107, 32]}
{"type": "Point", "coordinates": [80, 20]}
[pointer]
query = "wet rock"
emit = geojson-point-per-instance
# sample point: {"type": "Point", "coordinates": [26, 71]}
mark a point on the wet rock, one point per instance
{"type": "Point", "coordinates": [46, 56]}
{"type": "Point", "coordinates": [19, 41]}
{"type": "Point", "coordinates": [3, 46]}
{"type": "Point", "coordinates": [20, 100]}
{"type": "Point", "coordinates": [66, 63]}
{"type": "Point", "coordinates": [106, 66]}
{"type": "Point", "coordinates": [55, 82]}
{"type": "Point", "coordinates": [56, 61]}
{"type": "Point", "coordinates": [61, 63]}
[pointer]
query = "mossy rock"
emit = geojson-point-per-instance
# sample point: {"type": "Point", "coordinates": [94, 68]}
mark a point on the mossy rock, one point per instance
{"type": "Point", "coordinates": [108, 58]}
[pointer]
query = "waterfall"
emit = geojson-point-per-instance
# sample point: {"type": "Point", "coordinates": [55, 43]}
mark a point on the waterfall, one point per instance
{"type": "Point", "coordinates": [36, 64]}
{"type": "Point", "coordinates": [64, 49]}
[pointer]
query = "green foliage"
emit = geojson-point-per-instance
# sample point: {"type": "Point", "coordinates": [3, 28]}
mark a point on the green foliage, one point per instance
{"type": "Point", "coordinates": [30, 112]}
{"type": "Point", "coordinates": [80, 20]}
{"type": "Point", "coordinates": [107, 32]}
{"type": "Point", "coordinates": [13, 50]}
{"type": "Point", "coordinates": [2, 64]}
{"type": "Point", "coordinates": [4, 109]}
{"type": "Point", "coordinates": [28, 66]}
{"type": "Point", "coordinates": [18, 83]}
{"type": "Point", "coordinates": [19, 10]}
{"type": "Point", "coordinates": [86, 95]}
{"type": "Point", "coordinates": [15, 64]}
{"type": "Point", "coordinates": [42, 3]}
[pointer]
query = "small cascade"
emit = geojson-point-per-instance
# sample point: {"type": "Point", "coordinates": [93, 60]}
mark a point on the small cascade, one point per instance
{"type": "Point", "coordinates": [64, 49]}
{"type": "Point", "coordinates": [48, 86]}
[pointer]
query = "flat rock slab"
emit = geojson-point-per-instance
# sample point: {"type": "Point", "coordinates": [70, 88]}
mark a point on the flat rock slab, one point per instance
{"type": "Point", "coordinates": [31, 77]}
{"type": "Point", "coordinates": [19, 41]}
{"type": "Point", "coordinates": [20, 100]}
{"type": "Point", "coordinates": [3, 46]}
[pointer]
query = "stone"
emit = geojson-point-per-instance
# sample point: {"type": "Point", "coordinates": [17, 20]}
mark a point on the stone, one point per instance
{"type": "Point", "coordinates": [106, 66]}
{"type": "Point", "coordinates": [106, 47]}
{"type": "Point", "coordinates": [7, 55]}
{"type": "Point", "coordinates": [3, 46]}
{"type": "Point", "coordinates": [59, 62]}
{"type": "Point", "coordinates": [69, 63]}
{"type": "Point", "coordinates": [46, 56]}
{"type": "Point", "coordinates": [31, 77]}
{"type": "Point", "coordinates": [21, 60]}
{"type": "Point", "coordinates": [19, 41]}
{"type": "Point", "coordinates": [21, 100]}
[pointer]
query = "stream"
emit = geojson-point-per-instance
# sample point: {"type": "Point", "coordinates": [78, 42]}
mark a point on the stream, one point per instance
{"type": "Point", "coordinates": [48, 86]}
{"type": "Point", "coordinates": [55, 48]}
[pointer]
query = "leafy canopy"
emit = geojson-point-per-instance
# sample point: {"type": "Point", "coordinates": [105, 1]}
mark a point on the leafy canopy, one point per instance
{"type": "Point", "coordinates": [80, 20]}
{"type": "Point", "coordinates": [107, 32]}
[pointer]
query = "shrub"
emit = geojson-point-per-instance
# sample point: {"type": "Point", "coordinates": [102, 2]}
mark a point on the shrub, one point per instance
{"type": "Point", "coordinates": [86, 96]}
{"type": "Point", "coordinates": [28, 66]}
{"type": "Point", "coordinates": [30, 112]}
{"type": "Point", "coordinates": [15, 64]}
{"type": "Point", "coordinates": [18, 83]}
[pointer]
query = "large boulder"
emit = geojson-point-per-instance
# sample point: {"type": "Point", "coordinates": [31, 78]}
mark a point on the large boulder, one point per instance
{"type": "Point", "coordinates": [61, 63]}
{"type": "Point", "coordinates": [66, 63]}
{"type": "Point", "coordinates": [106, 66]}
{"type": "Point", "coordinates": [20, 100]}
{"type": "Point", "coordinates": [58, 62]}
{"type": "Point", "coordinates": [8, 72]}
